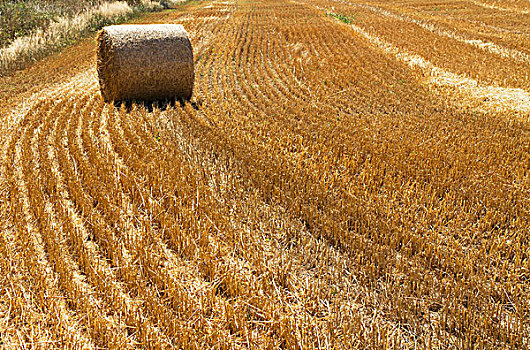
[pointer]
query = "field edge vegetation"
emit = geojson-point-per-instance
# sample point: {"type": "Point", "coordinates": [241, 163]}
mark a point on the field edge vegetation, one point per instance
{"type": "Point", "coordinates": [45, 34]}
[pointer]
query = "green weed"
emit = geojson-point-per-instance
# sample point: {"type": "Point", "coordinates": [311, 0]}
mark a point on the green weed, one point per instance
{"type": "Point", "coordinates": [340, 17]}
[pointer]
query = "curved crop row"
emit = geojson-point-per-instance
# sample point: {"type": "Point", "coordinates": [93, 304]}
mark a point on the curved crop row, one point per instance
{"type": "Point", "coordinates": [315, 193]}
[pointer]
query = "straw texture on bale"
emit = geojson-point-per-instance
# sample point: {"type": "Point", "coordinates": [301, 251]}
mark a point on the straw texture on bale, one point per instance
{"type": "Point", "coordinates": [145, 62]}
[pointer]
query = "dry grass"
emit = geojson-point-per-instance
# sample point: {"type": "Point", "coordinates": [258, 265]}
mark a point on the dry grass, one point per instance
{"type": "Point", "coordinates": [317, 193]}
{"type": "Point", "coordinates": [63, 30]}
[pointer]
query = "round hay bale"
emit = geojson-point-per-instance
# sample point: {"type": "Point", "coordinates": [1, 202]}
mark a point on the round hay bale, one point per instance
{"type": "Point", "coordinates": [145, 62]}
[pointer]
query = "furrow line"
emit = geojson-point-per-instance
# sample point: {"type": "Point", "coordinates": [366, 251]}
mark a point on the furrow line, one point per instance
{"type": "Point", "coordinates": [463, 89]}
{"type": "Point", "coordinates": [192, 123]}
{"type": "Point", "coordinates": [132, 236]}
{"type": "Point", "coordinates": [85, 241]}
{"type": "Point", "coordinates": [500, 8]}
{"type": "Point", "coordinates": [85, 297]}
{"type": "Point", "coordinates": [35, 245]}
{"type": "Point", "coordinates": [177, 283]}
{"type": "Point", "coordinates": [490, 47]}
{"type": "Point", "coordinates": [157, 218]}
{"type": "Point", "coordinates": [261, 255]}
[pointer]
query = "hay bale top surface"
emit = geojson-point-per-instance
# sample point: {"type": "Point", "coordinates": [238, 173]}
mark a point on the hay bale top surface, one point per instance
{"type": "Point", "coordinates": [125, 34]}
{"type": "Point", "coordinates": [145, 62]}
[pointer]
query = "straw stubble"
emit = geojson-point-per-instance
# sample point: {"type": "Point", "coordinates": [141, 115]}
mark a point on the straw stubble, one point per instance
{"type": "Point", "coordinates": [145, 62]}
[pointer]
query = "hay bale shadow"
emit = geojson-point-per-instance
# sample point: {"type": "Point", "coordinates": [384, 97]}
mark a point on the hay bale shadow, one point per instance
{"type": "Point", "coordinates": [162, 105]}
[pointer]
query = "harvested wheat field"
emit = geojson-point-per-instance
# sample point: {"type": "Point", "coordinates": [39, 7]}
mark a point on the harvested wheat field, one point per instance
{"type": "Point", "coordinates": [347, 175]}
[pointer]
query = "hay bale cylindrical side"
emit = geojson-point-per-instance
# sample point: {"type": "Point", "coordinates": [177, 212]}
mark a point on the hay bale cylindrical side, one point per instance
{"type": "Point", "coordinates": [145, 62]}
